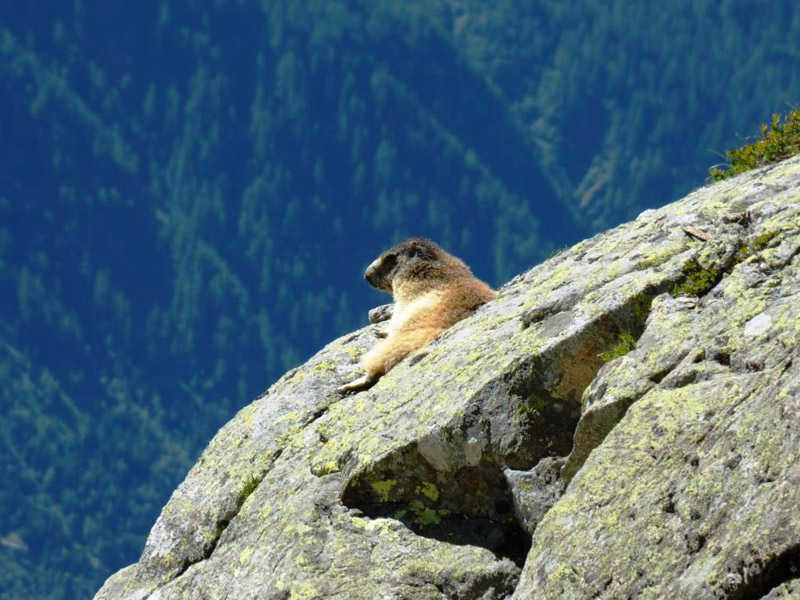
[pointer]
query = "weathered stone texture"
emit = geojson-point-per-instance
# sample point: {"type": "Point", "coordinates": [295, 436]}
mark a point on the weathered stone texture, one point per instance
{"type": "Point", "coordinates": [683, 480]}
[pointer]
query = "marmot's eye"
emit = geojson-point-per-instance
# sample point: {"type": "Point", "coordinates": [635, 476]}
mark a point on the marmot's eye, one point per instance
{"type": "Point", "coordinates": [389, 260]}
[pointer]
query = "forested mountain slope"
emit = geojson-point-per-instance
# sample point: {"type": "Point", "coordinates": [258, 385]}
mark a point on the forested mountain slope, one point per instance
{"type": "Point", "coordinates": [632, 102]}
{"type": "Point", "coordinates": [189, 193]}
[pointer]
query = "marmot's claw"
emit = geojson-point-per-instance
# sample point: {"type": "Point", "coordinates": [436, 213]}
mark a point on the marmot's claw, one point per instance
{"type": "Point", "coordinates": [362, 383]}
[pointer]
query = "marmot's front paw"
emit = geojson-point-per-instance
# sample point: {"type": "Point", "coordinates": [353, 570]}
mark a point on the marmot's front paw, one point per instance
{"type": "Point", "coordinates": [381, 313]}
{"type": "Point", "coordinates": [362, 383]}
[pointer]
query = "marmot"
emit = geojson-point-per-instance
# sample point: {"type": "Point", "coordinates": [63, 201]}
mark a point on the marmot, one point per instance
{"type": "Point", "coordinates": [432, 290]}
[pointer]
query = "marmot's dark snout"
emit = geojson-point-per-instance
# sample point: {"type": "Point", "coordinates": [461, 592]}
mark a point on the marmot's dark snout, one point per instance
{"type": "Point", "coordinates": [378, 273]}
{"type": "Point", "coordinates": [371, 276]}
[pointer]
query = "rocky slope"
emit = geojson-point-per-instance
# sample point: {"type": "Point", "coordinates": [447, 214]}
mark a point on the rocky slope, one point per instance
{"type": "Point", "coordinates": [525, 454]}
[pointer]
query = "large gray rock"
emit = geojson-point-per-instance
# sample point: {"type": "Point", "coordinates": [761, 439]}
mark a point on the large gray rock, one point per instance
{"type": "Point", "coordinates": [683, 480]}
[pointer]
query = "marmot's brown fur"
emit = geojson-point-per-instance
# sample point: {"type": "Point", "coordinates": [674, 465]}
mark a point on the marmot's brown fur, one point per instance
{"type": "Point", "coordinates": [432, 290]}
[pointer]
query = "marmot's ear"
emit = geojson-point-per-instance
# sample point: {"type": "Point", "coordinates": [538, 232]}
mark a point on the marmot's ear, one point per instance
{"type": "Point", "coordinates": [421, 250]}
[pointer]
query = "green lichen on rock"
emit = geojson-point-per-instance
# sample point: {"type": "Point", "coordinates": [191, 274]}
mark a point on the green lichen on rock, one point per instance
{"type": "Point", "coordinates": [429, 490]}
{"type": "Point", "coordinates": [384, 488]}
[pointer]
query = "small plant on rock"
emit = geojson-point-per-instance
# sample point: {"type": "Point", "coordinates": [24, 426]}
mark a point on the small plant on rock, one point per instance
{"type": "Point", "coordinates": [780, 140]}
{"type": "Point", "coordinates": [626, 343]}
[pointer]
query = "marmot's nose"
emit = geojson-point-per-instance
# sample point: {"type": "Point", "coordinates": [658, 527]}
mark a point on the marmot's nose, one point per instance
{"type": "Point", "coordinates": [369, 275]}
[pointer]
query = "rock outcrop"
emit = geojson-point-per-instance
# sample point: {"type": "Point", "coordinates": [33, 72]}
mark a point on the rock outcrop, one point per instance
{"type": "Point", "coordinates": [622, 422]}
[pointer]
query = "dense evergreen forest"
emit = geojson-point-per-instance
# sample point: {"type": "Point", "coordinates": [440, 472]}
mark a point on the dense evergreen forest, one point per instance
{"type": "Point", "coordinates": [190, 191]}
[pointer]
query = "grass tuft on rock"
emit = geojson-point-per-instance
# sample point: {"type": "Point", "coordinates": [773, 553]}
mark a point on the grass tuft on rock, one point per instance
{"type": "Point", "coordinates": [780, 140]}
{"type": "Point", "coordinates": [249, 487]}
{"type": "Point", "coordinates": [626, 343]}
{"type": "Point", "coordinates": [757, 245]}
{"type": "Point", "coordinates": [697, 280]}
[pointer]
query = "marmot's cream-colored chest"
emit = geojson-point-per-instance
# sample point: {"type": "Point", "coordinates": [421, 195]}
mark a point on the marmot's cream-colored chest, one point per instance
{"type": "Point", "coordinates": [406, 313]}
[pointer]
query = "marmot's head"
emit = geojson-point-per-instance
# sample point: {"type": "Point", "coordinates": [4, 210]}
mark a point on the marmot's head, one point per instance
{"type": "Point", "coordinates": [413, 259]}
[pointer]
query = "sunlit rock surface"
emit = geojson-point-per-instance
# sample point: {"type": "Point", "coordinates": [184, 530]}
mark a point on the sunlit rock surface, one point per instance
{"type": "Point", "coordinates": [524, 453]}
